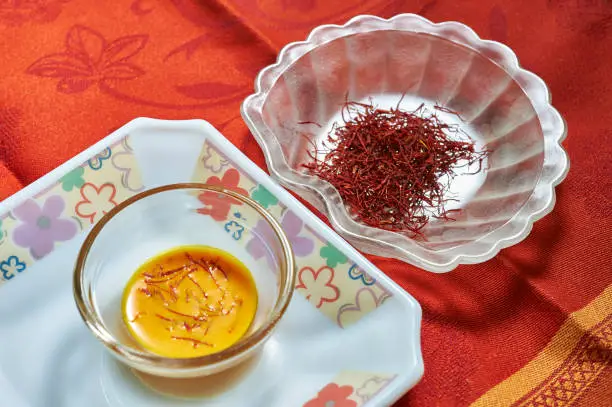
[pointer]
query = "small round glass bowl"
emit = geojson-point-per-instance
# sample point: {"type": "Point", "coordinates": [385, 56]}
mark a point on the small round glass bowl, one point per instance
{"type": "Point", "coordinates": [503, 108]}
{"type": "Point", "coordinates": [163, 218]}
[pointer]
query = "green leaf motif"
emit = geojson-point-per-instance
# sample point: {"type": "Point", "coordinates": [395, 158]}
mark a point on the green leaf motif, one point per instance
{"type": "Point", "coordinates": [264, 197]}
{"type": "Point", "coordinates": [74, 179]}
{"type": "Point", "coordinates": [332, 255]}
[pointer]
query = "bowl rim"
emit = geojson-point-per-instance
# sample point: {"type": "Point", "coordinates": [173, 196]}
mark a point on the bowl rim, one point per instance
{"type": "Point", "coordinates": [90, 315]}
{"type": "Point", "coordinates": [539, 203]}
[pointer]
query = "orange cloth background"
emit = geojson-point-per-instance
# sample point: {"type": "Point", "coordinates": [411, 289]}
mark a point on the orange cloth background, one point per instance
{"type": "Point", "coordinates": [198, 59]}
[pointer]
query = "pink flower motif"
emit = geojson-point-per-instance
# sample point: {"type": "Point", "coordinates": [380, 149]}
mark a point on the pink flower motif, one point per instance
{"type": "Point", "coordinates": [333, 395]}
{"type": "Point", "coordinates": [219, 205]}
{"type": "Point", "coordinates": [42, 227]}
{"type": "Point", "coordinates": [88, 59]}
{"type": "Point", "coordinates": [317, 285]}
{"type": "Point", "coordinates": [96, 202]}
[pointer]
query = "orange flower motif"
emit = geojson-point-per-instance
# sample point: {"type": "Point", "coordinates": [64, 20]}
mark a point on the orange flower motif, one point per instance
{"type": "Point", "coordinates": [89, 59]}
{"type": "Point", "coordinates": [333, 395]}
{"type": "Point", "coordinates": [318, 285]}
{"type": "Point", "coordinates": [96, 202]}
{"type": "Point", "coordinates": [218, 205]}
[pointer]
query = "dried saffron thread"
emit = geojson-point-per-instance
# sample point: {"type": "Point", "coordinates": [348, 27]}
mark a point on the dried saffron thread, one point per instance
{"type": "Point", "coordinates": [189, 328]}
{"type": "Point", "coordinates": [309, 122]}
{"type": "Point", "coordinates": [193, 280]}
{"type": "Point", "coordinates": [195, 342]}
{"type": "Point", "coordinates": [153, 288]}
{"type": "Point", "coordinates": [208, 327]}
{"type": "Point", "coordinates": [199, 318]}
{"type": "Point", "coordinates": [214, 266]}
{"type": "Point", "coordinates": [167, 279]}
{"type": "Point", "coordinates": [154, 291]}
{"type": "Point", "coordinates": [166, 273]}
{"type": "Point", "coordinates": [164, 318]}
{"type": "Point", "coordinates": [155, 278]}
{"type": "Point", "coordinates": [138, 316]}
{"type": "Point", "coordinates": [393, 168]}
{"type": "Point", "coordinates": [208, 267]}
{"type": "Point", "coordinates": [235, 321]}
{"type": "Point", "coordinates": [189, 294]}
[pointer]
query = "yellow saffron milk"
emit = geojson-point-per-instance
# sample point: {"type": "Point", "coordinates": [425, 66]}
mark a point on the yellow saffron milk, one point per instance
{"type": "Point", "coordinates": [190, 301]}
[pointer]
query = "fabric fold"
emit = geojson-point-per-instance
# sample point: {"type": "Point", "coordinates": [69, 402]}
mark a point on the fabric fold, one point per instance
{"type": "Point", "coordinates": [9, 183]}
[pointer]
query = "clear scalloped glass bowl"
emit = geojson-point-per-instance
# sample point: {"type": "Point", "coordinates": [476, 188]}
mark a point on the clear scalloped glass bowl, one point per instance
{"type": "Point", "coordinates": [504, 108]}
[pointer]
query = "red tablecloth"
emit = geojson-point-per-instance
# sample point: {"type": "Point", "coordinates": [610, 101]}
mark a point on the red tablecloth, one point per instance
{"type": "Point", "coordinates": [533, 326]}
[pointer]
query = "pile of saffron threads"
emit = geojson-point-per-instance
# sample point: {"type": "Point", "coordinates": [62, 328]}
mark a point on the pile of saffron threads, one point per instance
{"type": "Point", "coordinates": [393, 168]}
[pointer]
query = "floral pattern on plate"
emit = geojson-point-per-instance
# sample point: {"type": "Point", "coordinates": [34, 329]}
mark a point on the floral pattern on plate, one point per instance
{"type": "Point", "coordinates": [333, 395]}
{"type": "Point", "coordinates": [96, 201]}
{"type": "Point", "coordinates": [216, 205]}
{"type": "Point", "coordinates": [39, 225]}
{"type": "Point", "coordinates": [318, 286]}
{"type": "Point", "coordinates": [350, 389]}
{"type": "Point", "coordinates": [326, 276]}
